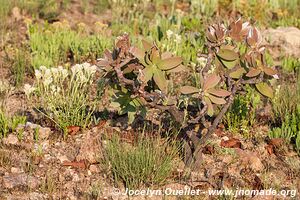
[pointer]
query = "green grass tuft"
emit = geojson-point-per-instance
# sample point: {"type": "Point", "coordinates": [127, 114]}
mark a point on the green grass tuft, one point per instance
{"type": "Point", "coordinates": [148, 162]}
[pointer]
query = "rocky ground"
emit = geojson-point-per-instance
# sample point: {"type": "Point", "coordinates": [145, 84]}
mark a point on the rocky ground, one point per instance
{"type": "Point", "coordinates": [49, 167]}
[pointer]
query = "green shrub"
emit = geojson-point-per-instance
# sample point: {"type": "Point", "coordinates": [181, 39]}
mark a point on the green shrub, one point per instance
{"type": "Point", "coordinates": [148, 161]}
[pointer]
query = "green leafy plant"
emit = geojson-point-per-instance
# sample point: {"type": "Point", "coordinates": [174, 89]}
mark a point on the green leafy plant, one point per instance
{"type": "Point", "coordinates": [291, 64]}
{"type": "Point", "coordinates": [242, 116]}
{"type": "Point", "coordinates": [4, 124]}
{"type": "Point", "coordinates": [156, 64]}
{"type": "Point", "coordinates": [64, 96]}
{"type": "Point", "coordinates": [124, 103]}
{"type": "Point", "coordinates": [148, 161]}
{"type": "Point", "coordinates": [9, 124]}
{"type": "Point", "coordinates": [286, 111]}
{"type": "Point", "coordinates": [289, 130]}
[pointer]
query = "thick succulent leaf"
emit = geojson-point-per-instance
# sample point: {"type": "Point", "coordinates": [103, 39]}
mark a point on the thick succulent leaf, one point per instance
{"type": "Point", "coordinates": [237, 73]}
{"type": "Point", "coordinates": [236, 26]}
{"type": "Point", "coordinates": [189, 90]}
{"type": "Point", "coordinates": [216, 100]}
{"type": "Point", "coordinates": [265, 89]}
{"type": "Point", "coordinates": [253, 72]}
{"type": "Point", "coordinates": [228, 54]}
{"type": "Point", "coordinates": [169, 63]}
{"type": "Point", "coordinates": [245, 29]}
{"type": "Point", "coordinates": [229, 64]}
{"type": "Point", "coordinates": [210, 108]}
{"type": "Point", "coordinates": [146, 45]}
{"type": "Point", "coordinates": [169, 102]}
{"type": "Point", "coordinates": [219, 92]}
{"type": "Point", "coordinates": [136, 102]}
{"type": "Point", "coordinates": [128, 69]}
{"type": "Point", "coordinates": [253, 37]}
{"type": "Point", "coordinates": [180, 68]}
{"type": "Point", "coordinates": [103, 63]}
{"type": "Point", "coordinates": [131, 110]}
{"type": "Point", "coordinates": [211, 34]}
{"type": "Point", "coordinates": [155, 55]}
{"type": "Point", "coordinates": [269, 71]}
{"type": "Point", "coordinates": [108, 68]}
{"type": "Point", "coordinates": [128, 108]}
{"type": "Point", "coordinates": [211, 81]}
{"type": "Point", "coordinates": [218, 62]}
{"type": "Point", "coordinates": [131, 117]}
{"type": "Point", "coordinates": [235, 29]}
{"type": "Point", "coordinates": [166, 54]}
{"type": "Point", "coordinates": [147, 60]}
{"type": "Point", "coordinates": [160, 80]}
{"type": "Point", "coordinates": [148, 73]}
{"type": "Point", "coordinates": [116, 105]}
{"type": "Point", "coordinates": [139, 53]}
{"type": "Point", "coordinates": [220, 31]}
{"type": "Point", "coordinates": [107, 55]}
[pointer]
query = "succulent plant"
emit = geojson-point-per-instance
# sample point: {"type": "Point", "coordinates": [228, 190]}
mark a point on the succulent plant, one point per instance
{"type": "Point", "coordinates": [156, 64]}
{"type": "Point", "coordinates": [208, 92]}
{"type": "Point", "coordinates": [216, 33]}
{"type": "Point", "coordinates": [234, 59]}
{"type": "Point", "coordinates": [125, 104]}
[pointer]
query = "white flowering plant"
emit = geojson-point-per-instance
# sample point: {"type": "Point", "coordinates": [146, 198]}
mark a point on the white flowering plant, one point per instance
{"type": "Point", "coordinates": [63, 95]}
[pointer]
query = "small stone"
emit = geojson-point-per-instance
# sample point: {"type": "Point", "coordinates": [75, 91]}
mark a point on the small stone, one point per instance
{"type": "Point", "coordinates": [225, 138]}
{"type": "Point", "coordinates": [47, 157]}
{"type": "Point", "coordinates": [283, 41]}
{"type": "Point", "coordinates": [94, 169]}
{"type": "Point", "coordinates": [32, 126]}
{"type": "Point", "coordinates": [75, 178]}
{"type": "Point", "coordinates": [16, 197]}
{"type": "Point", "coordinates": [17, 180]}
{"type": "Point", "coordinates": [89, 149]}
{"type": "Point", "coordinates": [32, 182]}
{"type": "Point", "coordinates": [36, 196]}
{"type": "Point", "coordinates": [11, 140]}
{"type": "Point", "coordinates": [251, 159]}
{"type": "Point", "coordinates": [16, 170]}
{"type": "Point", "coordinates": [63, 158]}
{"type": "Point", "coordinates": [44, 133]}
{"type": "Point", "coordinates": [256, 164]}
